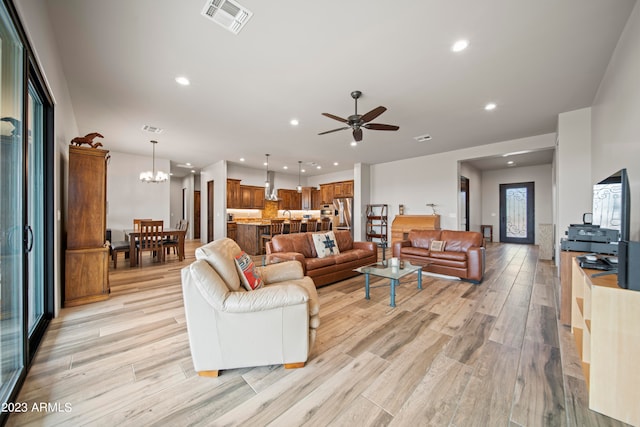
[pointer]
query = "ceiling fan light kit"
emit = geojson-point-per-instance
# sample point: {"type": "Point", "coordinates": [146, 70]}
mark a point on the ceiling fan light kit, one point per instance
{"type": "Point", "coordinates": [356, 121]}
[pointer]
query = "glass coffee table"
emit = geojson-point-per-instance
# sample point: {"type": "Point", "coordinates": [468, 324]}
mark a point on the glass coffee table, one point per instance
{"type": "Point", "coordinates": [394, 273]}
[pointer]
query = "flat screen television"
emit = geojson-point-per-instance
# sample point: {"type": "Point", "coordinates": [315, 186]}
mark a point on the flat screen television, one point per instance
{"type": "Point", "coordinates": [612, 203]}
{"type": "Point", "coordinates": [612, 209]}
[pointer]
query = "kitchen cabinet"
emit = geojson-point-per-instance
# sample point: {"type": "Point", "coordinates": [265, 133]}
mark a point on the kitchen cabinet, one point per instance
{"type": "Point", "coordinates": [305, 198]}
{"type": "Point", "coordinates": [343, 189]}
{"type": "Point", "coordinates": [326, 193]}
{"type": "Point", "coordinates": [258, 197]}
{"type": "Point", "coordinates": [333, 190]}
{"type": "Point", "coordinates": [289, 199]}
{"type": "Point", "coordinates": [315, 199]}
{"type": "Point", "coordinates": [251, 197]}
{"type": "Point", "coordinates": [233, 193]}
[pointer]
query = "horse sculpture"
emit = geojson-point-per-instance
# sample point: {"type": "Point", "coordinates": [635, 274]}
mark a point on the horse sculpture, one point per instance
{"type": "Point", "coordinates": [87, 139]}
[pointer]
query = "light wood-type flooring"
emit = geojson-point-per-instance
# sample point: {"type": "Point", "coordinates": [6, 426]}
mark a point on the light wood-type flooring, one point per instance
{"type": "Point", "coordinates": [453, 354]}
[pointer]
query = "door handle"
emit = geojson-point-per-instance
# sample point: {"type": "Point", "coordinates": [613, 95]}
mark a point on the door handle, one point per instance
{"type": "Point", "coordinates": [28, 239]}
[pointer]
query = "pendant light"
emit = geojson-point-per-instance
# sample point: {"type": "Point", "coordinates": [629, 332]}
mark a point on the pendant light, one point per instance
{"type": "Point", "coordinates": [266, 181]}
{"type": "Point", "coordinates": [153, 175]}
{"type": "Point", "coordinates": [299, 187]}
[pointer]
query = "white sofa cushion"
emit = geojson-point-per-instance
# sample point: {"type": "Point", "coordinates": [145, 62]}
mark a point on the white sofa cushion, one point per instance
{"type": "Point", "coordinates": [220, 254]}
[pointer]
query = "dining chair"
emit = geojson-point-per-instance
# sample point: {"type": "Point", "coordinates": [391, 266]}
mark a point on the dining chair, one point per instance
{"type": "Point", "coordinates": [138, 221]}
{"type": "Point", "coordinates": [295, 225]}
{"type": "Point", "coordinates": [117, 247]}
{"type": "Point", "coordinates": [173, 241]}
{"type": "Point", "coordinates": [312, 224]}
{"type": "Point", "coordinates": [151, 240]}
{"type": "Point", "coordinates": [275, 227]}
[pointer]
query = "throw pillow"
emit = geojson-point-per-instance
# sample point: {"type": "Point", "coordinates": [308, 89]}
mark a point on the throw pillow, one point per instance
{"type": "Point", "coordinates": [246, 266]}
{"type": "Point", "coordinates": [437, 245]}
{"type": "Point", "coordinates": [325, 244]}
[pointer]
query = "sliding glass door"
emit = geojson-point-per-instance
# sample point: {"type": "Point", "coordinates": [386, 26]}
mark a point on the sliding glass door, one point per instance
{"type": "Point", "coordinates": [26, 206]}
{"type": "Point", "coordinates": [12, 344]}
{"type": "Point", "coordinates": [35, 209]}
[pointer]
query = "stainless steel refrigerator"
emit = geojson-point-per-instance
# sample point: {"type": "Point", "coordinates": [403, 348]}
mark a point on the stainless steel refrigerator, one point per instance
{"type": "Point", "coordinates": [344, 214]}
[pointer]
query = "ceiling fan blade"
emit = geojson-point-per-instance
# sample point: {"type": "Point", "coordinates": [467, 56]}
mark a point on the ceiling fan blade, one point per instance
{"type": "Point", "coordinates": [331, 116]}
{"type": "Point", "coordinates": [357, 135]}
{"type": "Point", "coordinates": [333, 130]}
{"type": "Point", "coordinates": [380, 126]}
{"type": "Point", "coordinates": [373, 114]}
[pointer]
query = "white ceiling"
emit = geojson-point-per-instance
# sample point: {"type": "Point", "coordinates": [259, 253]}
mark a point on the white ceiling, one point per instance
{"type": "Point", "coordinates": [295, 59]}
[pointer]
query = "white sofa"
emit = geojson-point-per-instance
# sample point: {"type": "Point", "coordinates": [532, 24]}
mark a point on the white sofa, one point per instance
{"type": "Point", "coordinates": [230, 327]}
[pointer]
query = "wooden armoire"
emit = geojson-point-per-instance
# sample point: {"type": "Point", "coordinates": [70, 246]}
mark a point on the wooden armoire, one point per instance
{"type": "Point", "coordinates": [87, 255]}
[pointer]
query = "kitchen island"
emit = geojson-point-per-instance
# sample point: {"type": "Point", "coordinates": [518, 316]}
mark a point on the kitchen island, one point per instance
{"type": "Point", "coordinates": [248, 236]}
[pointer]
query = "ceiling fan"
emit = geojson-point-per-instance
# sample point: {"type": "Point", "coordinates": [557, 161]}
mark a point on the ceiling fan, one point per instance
{"type": "Point", "coordinates": [357, 121]}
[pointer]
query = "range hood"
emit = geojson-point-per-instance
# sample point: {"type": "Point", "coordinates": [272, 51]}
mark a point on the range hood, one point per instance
{"type": "Point", "coordinates": [270, 192]}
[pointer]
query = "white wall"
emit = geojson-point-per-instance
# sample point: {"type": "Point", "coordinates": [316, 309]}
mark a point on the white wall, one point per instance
{"type": "Point", "coordinates": [434, 179]}
{"type": "Point", "coordinates": [315, 181]}
{"type": "Point", "coordinates": [129, 198]}
{"type": "Point", "coordinates": [252, 176]}
{"type": "Point", "coordinates": [34, 17]}
{"type": "Point", "coordinates": [615, 120]}
{"type": "Point", "coordinates": [541, 176]}
{"type": "Point", "coordinates": [573, 171]}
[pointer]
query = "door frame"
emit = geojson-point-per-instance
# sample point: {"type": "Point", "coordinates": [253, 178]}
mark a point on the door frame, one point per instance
{"type": "Point", "coordinates": [530, 239]}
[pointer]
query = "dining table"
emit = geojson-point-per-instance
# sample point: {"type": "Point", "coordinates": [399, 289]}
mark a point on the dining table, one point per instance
{"type": "Point", "coordinates": [132, 235]}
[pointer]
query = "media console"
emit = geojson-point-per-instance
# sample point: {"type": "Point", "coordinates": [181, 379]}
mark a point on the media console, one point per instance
{"type": "Point", "coordinates": [605, 322]}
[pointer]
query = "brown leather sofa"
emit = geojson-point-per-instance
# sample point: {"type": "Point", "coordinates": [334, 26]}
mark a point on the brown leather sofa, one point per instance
{"type": "Point", "coordinates": [299, 247]}
{"type": "Point", "coordinates": [463, 254]}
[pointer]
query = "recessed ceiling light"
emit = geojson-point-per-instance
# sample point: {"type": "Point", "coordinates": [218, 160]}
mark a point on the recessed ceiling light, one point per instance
{"type": "Point", "coordinates": [192, 171]}
{"type": "Point", "coordinates": [242, 159]}
{"type": "Point", "coordinates": [294, 122]}
{"type": "Point", "coordinates": [335, 163]}
{"type": "Point", "coordinates": [422, 138]}
{"type": "Point", "coordinates": [460, 45]}
{"type": "Point", "coordinates": [188, 164]}
{"type": "Point", "coordinates": [354, 143]}
{"type": "Point", "coordinates": [285, 167]}
{"type": "Point", "coordinates": [510, 162]}
{"type": "Point", "coordinates": [318, 167]}
{"type": "Point", "coordinates": [303, 170]}
{"type": "Point", "coordinates": [490, 106]}
{"type": "Point", "coordinates": [183, 81]}
{"type": "Point", "coordinates": [265, 164]}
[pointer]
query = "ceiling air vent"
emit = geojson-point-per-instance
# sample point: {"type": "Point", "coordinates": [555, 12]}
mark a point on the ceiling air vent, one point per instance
{"type": "Point", "coordinates": [227, 14]}
{"type": "Point", "coordinates": [151, 129]}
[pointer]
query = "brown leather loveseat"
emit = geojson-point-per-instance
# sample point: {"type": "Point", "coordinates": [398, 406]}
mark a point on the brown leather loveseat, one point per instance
{"type": "Point", "coordinates": [461, 253]}
{"type": "Point", "coordinates": [300, 247]}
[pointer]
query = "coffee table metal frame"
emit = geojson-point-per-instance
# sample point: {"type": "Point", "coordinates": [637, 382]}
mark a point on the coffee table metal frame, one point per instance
{"type": "Point", "coordinates": [384, 269]}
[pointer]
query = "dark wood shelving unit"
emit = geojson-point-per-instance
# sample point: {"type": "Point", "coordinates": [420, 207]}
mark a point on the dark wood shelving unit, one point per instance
{"type": "Point", "coordinates": [377, 223]}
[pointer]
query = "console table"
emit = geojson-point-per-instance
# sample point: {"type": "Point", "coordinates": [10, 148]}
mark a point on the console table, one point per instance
{"type": "Point", "coordinates": [605, 322]}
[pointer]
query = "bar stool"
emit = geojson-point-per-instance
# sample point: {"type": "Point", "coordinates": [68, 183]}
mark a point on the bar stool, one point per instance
{"type": "Point", "coordinates": [312, 224]}
{"type": "Point", "coordinates": [325, 224]}
{"type": "Point", "coordinates": [275, 227]}
{"type": "Point", "coordinates": [295, 225]}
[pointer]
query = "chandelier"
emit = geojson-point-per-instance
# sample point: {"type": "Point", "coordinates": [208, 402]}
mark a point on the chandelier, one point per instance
{"type": "Point", "coordinates": [153, 175]}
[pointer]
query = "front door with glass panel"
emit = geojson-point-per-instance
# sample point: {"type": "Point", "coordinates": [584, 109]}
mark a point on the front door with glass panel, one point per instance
{"type": "Point", "coordinates": [517, 213]}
